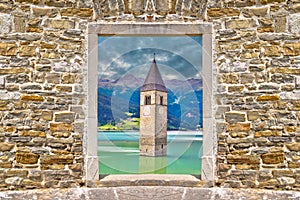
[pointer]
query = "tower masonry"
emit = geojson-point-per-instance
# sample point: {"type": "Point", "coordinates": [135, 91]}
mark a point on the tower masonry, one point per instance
{"type": "Point", "coordinates": [153, 114]}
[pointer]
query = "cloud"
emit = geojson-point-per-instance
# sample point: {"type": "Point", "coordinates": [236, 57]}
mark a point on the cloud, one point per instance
{"type": "Point", "coordinates": [119, 55]}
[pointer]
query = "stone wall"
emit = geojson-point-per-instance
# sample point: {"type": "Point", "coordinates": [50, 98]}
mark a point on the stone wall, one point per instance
{"type": "Point", "coordinates": [43, 68]}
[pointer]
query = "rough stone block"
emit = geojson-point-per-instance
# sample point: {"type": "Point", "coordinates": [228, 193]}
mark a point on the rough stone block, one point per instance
{"type": "Point", "coordinates": [60, 3]}
{"type": "Point", "coordinates": [270, 184]}
{"type": "Point", "coordinates": [5, 24]}
{"type": "Point", "coordinates": [268, 98]}
{"type": "Point", "coordinates": [82, 12]}
{"type": "Point", "coordinates": [63, 88]}
{"type": "Point", "coordinates": [230, 78]}
{"type": "Point", "coordinates": [32, 98]}
{"type": "Point", "coordinates": [29, 1]}
{"type": "Point", "coordinates": [243, 159]}
{"type": "Point", "coordinates": [56, 159]}
{"type": "Point", "coordinates": [294, 164]}
{"type": "Point", "coordinates": [234, 117]}
{"type": "Point", "coordinates": [236, 88]}
{"type": "Point", "coordinates": [4, 146]}
{"type": "Point", "coordinates": [273, 50]}
{"type": "Point", "coordinates": [61, 127]}
{"type": "Point", "coordinates": [6, 165]}
{"type": "Point", "coordinates": [267, 133]}
{"type": "Point", "coordinates": [239, 23]}
{"type": "Point", "coordinates": [291, 49]}
{"type": "Point", "coordinates": [238, 127]}
{"type": "Point", "coordinates": [39, 12]}
{"type": "Point", "coordinates": [273, 158]}
{"type": "Point", "coordinates": [32, 133]}
{"type": "Point", "coordinates": [222, 12]}
{"type": "Point", "coordinates": [53, 78]}
{"type": "Point", "coordinates": [67, 117]}
{"type": "Point", "coordinates": [271, 1]}
{"type": "Point", "coordinates": [8, 49]}
{"type": "Point", "coordinates": [19, 24]}
{"type": "Point", "coordinates": [295, 146]}
{"type": "Point", "coordinates": [61, 24]}
{"type": "Point", "coordinates": [294, 23]}
{"type": "Point", "coordinates": [265, 30]}
{"type": "Point", "coordinates": [16, 172]}
{"type": "Point", "coordinates": [283, 173]}
{"type": "Point", "coordinates": [27, 158]}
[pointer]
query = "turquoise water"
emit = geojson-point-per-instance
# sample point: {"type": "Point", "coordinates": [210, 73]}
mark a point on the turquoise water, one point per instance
{"type": "Point", "coordinates": [118, 153]}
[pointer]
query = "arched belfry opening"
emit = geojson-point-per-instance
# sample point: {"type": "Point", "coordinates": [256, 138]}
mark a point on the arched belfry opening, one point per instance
{"type": "Point", "coordinates": [153, 114]}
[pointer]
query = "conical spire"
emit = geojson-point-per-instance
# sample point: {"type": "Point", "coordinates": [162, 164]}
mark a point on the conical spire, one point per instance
{"type": "Point", "coordinates": [154, 80]}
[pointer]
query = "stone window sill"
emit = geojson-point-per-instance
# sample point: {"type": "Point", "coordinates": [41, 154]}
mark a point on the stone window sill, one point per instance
{"type": "Point", "coordinates": [119, 180]}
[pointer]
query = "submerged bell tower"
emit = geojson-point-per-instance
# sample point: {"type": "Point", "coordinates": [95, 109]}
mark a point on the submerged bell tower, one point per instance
{"type": "Point", "coordinates": [153, 114]}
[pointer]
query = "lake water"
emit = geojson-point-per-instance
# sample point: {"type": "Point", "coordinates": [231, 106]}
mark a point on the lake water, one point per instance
{"type": "Point", "coordinates": [118, 153]}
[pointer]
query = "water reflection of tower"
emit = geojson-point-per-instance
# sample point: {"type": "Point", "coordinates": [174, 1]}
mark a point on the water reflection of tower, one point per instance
{"type": "Point", "coordinates": [153, 114]}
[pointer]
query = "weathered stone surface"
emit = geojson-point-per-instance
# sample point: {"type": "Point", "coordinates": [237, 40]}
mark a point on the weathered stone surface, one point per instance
{"type": "Point", "coordinates": [61, 24]}
{"type": "Point", "coordinates": [82, 12]}
{"type": "Point", "coordinates": [257, 11]}
{"type": "Point", "coordinates": [61, 127]}
{"type": "Point", "coordinates": [255, 59]}
{"type": "Point", "coordinates": [32, 98]}
{"type": "Point", "coordinates": [66, 117]}
{"type": "Point", "coordinates": [293, 146]}
{"type": "Point", "coordinates": [267, 133]}
{"type": "Point", "coordinates": [221, 12]}
{"type": "Point", "coordinates": [291, 49]}
{"type": "Point", "coordinates": [39, 12]}
{"type": "Point", "coordinates": [4, 146]}
{"type": "Point", "coordinates": [62, 88]}
{"type": "Point", "coordinates": [274, 50]}
{"type": "Point", "coordinates": [243, 159]}
{"type": "Point", "coordinates": [8, 49]}
{"type": "Point", "coordinates": [29, 1]}
{"type": "Point", "coordinates": [5, 24]}
{"type": "Point", "coordinates": [239, 24]}
{"type": "Point", "coordinates": [27, 50]}
{"type": "Point", "coordinates": [239, 127]}
{"type": "Point", "coordinates": [273, 158]}
{"type": "Point", "coordinates": [283, 70]}
{"type": "Point", "coordinates": [56, 159]}
{"type": "Point", "coordinates": [27, 158]}
{"type": "Point", "coordinates": [53, 78]}
{"type": "Point", "coordinates": [60, 3]}
{"type": "Point", "coordinates": [235, 88]}
{"type": "Point", "coordinates": [32, 133]}
{"type": "Point", "coordinates": [268, 98]}
{"type": "Point", "coordinates": [283, 173]}
{"type": "Point", "coordinates": [234, 117]}
{"type": "Point", "coordinates": [19, 24]}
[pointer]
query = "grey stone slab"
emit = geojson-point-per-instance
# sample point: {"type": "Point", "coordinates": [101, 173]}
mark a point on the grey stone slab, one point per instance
{"type": "Point", "coordinates": [150, 28]}
{"type": "Point", "coordinates": [103, 193]}
{"type": "Point", "coordinates": [153, 193]}
{"type": "Point", "coordinates": [198, 193]}
{"type": "Point", "coordinates": [150, 180]}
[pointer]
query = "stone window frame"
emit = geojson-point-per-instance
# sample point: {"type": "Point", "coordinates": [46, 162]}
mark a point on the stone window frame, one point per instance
{"type": "Point", "coordinates": [90, 146]}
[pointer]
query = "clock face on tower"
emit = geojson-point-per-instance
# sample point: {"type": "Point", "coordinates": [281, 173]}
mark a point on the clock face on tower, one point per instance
{"type": "Point", "coordinates": [146, 111]}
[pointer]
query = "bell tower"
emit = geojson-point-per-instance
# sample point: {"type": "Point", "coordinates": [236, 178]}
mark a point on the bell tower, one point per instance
{"type": "Point", "coordinates": [153, 114]}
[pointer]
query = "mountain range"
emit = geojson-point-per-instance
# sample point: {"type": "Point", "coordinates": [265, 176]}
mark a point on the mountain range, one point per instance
{"type": "Point", "coordinates": [119, 100]}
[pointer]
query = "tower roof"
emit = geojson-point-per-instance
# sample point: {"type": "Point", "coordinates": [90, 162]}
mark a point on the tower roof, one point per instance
{"type": "Point", "coordinates": [154, 80]}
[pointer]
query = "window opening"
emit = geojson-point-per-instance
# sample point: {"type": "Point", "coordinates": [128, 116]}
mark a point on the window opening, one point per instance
{"type": "Point", "coordinates": [161, 100]}
{"type": "Point", "coordinates": [92, 160]}
{"type": "Point", "coordinates": [147, 100]}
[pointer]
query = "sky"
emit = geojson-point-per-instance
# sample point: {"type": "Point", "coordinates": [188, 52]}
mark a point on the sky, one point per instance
{"type": "Point", "coordinates": [178, 57]}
